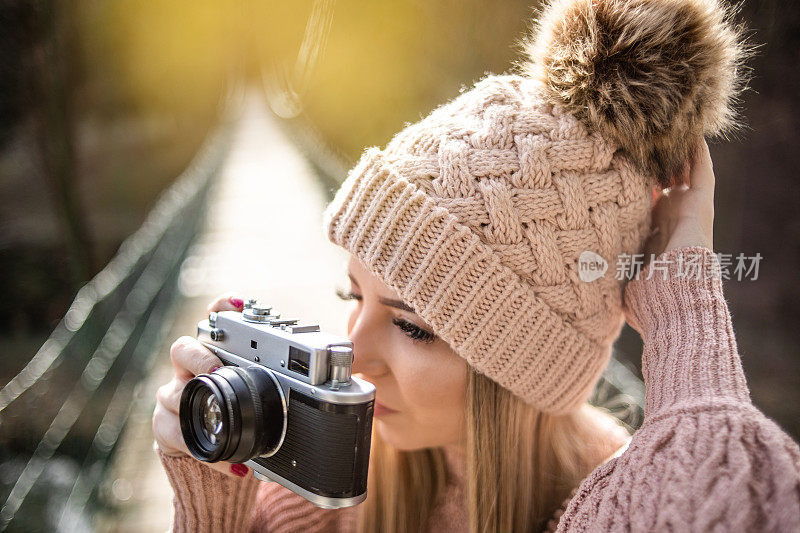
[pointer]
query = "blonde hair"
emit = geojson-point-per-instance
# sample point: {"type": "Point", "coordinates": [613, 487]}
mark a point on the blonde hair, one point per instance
{"type": "Point", "coordinates": [533, 459]}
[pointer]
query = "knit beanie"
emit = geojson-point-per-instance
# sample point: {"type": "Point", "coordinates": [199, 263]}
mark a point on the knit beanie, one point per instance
{"type": "Point", "coordinates": [480, 215]}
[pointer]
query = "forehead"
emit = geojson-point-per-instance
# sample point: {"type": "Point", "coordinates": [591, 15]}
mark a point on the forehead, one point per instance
{"type": "Point", "coordinates": [367, 279]}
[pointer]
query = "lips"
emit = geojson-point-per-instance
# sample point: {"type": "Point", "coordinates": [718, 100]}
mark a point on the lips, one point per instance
{"type": "Point", "coordinates": [381, 410]}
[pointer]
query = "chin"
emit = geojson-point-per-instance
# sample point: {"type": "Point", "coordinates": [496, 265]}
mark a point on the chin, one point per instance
{"type": "Point", "coordinates": [396, 435]}
{"type": "Point", "coordinates": [403, 437]}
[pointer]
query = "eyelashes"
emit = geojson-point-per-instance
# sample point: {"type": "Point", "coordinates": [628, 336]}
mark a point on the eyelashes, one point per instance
{"type": "Point", "coordinates": [414, 332]}
{"type": "Point", "coordinates": [347, 295]}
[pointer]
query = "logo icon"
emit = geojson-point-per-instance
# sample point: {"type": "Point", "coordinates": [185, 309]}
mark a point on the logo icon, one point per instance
{"type": "Point", "coordinates": [591, 266]}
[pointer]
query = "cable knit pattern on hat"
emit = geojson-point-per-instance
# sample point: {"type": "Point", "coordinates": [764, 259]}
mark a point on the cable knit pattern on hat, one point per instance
{"type": "Point", "coordinates": [477, 216]}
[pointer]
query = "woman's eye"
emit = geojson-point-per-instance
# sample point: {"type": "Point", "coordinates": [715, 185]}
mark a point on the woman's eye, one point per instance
{"type": "Point", "coordinates": [414, 332]}
{"type": "Point", "coordinates": [347, 295]}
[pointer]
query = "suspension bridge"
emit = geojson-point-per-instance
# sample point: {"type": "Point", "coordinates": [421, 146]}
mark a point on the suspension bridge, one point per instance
{"type": "Point", "coordinates": [244, 217]}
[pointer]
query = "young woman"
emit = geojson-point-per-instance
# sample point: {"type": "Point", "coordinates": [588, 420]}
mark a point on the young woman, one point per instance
{"type": "Point", "coordinates": [484, 324]}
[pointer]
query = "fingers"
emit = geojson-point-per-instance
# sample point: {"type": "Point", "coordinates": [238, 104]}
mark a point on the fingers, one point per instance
{"type": "Point", "coordinates": [167, 432]}
{"type": "Point", "coordinates": [169, 395]}
{"type": "Point", "coordinates": [229, 469]}
{"type": "Point", "coordinates": [190, 358]}
{"type": "Point", "coordinates": [168, 437]}
{"type": "Point", "coordinates": [682, 178]}
{"type": "Point", "coordinates": [701, 177]}
{"type": "Point", "coordinates": [226, 302]}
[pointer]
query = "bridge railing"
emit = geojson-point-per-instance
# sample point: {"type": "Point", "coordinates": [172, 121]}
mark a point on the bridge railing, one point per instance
{"type": "Point", "coordinates": [62, 414]}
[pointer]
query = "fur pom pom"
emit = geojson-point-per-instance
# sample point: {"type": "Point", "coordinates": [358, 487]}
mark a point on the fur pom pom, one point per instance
{"type": "Point", "coordinates": [651, 75]}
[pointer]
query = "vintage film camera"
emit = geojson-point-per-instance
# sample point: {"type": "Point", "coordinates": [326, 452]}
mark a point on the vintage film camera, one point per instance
{"type": "Point", "coordinates": [284, 404]}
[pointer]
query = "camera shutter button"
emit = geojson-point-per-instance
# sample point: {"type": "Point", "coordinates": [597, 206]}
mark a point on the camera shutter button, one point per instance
{"type": "Point", "coordinates": [259, 309]}
{"type": "Point", "coordinates": [253, 315]}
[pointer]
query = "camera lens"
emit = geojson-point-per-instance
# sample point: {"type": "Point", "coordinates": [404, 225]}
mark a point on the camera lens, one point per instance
{"type": "Point", "coordinates": [212, 418]}
{"type": "Point", "coordinates": [233, 414]}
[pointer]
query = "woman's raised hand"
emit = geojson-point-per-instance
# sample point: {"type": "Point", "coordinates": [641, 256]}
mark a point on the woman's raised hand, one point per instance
{"type": "Point", "coordinates": [189, 358]}
{"type": "Point", "coordinates": [683, 215]}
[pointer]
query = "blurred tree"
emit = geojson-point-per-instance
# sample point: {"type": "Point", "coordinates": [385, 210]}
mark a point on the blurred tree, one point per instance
{"type": "Point", "coordinates": [102, 104]}
{"type": "Point", "coordinates": [38, 50]}
{"type": "Point", "coordinates": [56, 73]}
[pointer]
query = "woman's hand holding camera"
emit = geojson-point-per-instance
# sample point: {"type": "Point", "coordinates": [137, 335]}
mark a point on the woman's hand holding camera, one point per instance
{"type": "Point", "coordinates": [189, 358]}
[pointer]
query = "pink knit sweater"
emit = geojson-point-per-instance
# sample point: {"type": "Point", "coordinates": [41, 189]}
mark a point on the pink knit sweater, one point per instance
{"type": "Point", "coordinates": [705, 458]}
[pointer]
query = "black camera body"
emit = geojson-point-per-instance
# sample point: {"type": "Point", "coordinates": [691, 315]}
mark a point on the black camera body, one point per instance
{"type": "Point", "coordinates": [284, 404]}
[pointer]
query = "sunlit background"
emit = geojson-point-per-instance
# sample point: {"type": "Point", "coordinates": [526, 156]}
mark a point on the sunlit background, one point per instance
{"type": "Point", "coordinates": [106, 106]}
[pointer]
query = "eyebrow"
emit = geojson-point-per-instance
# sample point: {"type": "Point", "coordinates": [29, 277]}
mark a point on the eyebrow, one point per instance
{"type": "Point", "coordinates": [388, 301]}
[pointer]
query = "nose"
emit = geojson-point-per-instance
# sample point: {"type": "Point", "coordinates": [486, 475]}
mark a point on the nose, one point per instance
{"type": "Point", "coordinates": [368, 354]}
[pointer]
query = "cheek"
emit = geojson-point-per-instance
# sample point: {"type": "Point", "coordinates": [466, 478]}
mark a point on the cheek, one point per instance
{"type": "Point", "coordinates": [432, 385]}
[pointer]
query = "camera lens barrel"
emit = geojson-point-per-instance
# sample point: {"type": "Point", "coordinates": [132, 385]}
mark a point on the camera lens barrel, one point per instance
{"type": "Point", "coordinates": [233, 414]}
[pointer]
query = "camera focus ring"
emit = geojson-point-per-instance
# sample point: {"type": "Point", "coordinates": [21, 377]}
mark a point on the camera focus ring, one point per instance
{"type": "Point", "coordinates": [209, 424]}
{"type": "Point", "coordinates": [233, 414]}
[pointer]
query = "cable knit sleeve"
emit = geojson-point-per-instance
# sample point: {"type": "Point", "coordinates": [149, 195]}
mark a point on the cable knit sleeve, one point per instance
{"type": "Point", "coordinates": [209, 501]}
{"type": "Point", "coordinates": [279, 510]}
{"type": "Point", "coordinates": [206, 500]}
{"type": "Point", "coordinates": [705, 457]}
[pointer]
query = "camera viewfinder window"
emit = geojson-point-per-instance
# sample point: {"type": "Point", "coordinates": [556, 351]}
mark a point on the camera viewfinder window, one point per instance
{"type": "Point", "coordinates": [299, 360]}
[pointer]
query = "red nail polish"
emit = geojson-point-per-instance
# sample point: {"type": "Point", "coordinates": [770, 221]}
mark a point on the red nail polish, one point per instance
{"type": "Point", "coordinates": [236, 302]}
{"type": "Point", "coordinates": [239, 470]}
